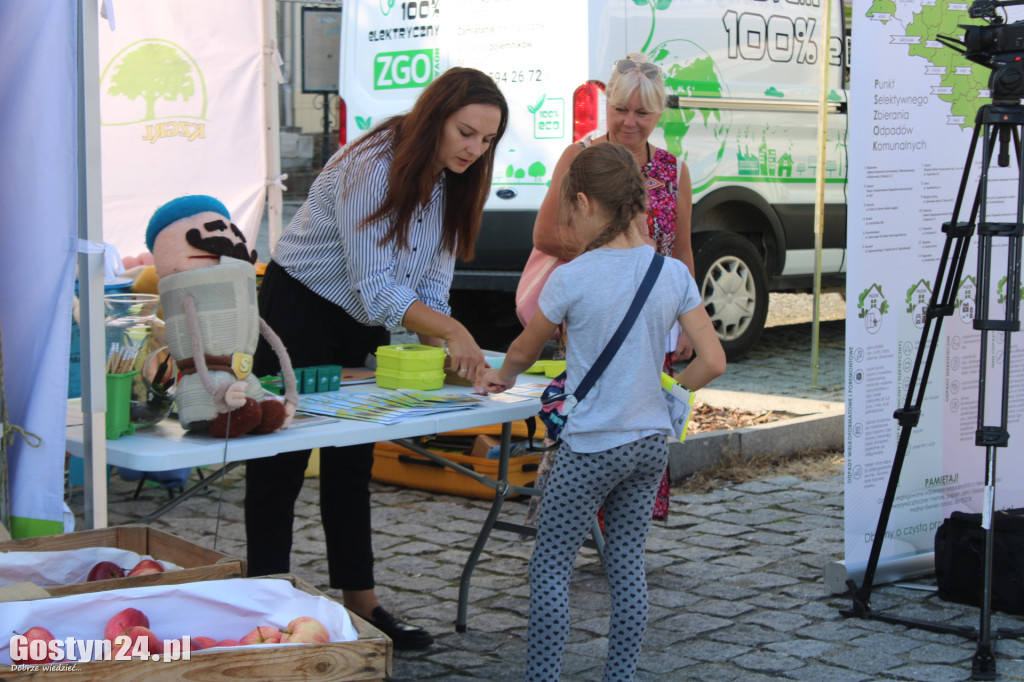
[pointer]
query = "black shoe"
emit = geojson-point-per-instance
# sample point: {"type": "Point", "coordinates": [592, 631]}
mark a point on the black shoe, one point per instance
{"type": "Point", "coordinates": [403, 635]}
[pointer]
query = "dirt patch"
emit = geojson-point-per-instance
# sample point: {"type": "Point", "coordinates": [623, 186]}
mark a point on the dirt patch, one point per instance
{"type": "Point", "coordinates": [734, 469]}
{"type": "Point", "coordinates": [738, 469]}
{"type": "Point", "coordinates": [706, 418]}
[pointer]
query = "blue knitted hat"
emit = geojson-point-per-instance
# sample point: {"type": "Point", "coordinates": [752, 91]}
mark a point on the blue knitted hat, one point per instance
{"type": "Point", "coordinates": [179, 208]}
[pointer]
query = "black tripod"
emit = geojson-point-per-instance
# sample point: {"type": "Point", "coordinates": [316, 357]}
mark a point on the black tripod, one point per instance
{"type": "Point", "coordinates": [996, 123]}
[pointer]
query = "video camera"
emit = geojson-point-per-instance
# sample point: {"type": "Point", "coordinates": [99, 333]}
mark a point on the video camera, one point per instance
{"type": "Point", "coordinates": [997, 45]}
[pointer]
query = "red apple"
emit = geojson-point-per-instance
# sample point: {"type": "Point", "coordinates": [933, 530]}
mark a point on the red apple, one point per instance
{"type": "Point", "coordinates": [201, 642]}
{"type": "Point", "coordinates": [120, 623]}
{"type": "Point", "coordinates": [36, 634]}
{"type": "Point", "coordinates": [305, 630]}
{"type": "Point", "coordinates": [105, 570]}
{"type": "Point", "coordinates": [264, 634]}
{"type": "Point", "coordinates": [228, 642]}
{"type": "Point", "coordinates": [136, 632]}
{"type": "Point", "coordinates": [145, 567]}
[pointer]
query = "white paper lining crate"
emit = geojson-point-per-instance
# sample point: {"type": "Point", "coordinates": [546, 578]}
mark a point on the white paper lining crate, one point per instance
{"type": "Point", "coordinates": [366, 658]}
{"type": "Point", "coordinates": [197, 563]}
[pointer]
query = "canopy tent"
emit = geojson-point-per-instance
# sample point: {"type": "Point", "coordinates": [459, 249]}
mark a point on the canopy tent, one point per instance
{"type": "Point", "coordinates": [52, 81]}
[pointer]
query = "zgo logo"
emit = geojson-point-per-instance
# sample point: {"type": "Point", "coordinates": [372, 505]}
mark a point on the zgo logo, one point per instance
{"type": "Point", "coordinates": [408, 69]}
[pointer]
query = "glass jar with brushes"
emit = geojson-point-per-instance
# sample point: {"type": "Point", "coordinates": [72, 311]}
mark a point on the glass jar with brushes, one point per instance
{"type": "Point", "coordinates": [136, 343]}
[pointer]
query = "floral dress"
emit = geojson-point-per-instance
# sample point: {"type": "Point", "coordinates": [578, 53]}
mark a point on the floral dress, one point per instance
{"type": "Point", "coordinates": [661, 175]}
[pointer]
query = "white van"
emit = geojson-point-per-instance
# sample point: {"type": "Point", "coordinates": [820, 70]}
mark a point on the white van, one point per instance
{"type": "Point", "coordinates": [742, 87]}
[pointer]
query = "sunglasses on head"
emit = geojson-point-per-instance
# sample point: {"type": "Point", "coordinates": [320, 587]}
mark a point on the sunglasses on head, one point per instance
{"type": "Point", "coordinates": [646, 68]}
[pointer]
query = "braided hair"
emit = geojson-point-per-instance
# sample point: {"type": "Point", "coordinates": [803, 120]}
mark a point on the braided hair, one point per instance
{"type": "Point", "coordinates": [608, 174]}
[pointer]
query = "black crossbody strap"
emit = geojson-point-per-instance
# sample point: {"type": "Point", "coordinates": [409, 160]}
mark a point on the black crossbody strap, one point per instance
{"type": "Point", "coordinates": [595, 371]}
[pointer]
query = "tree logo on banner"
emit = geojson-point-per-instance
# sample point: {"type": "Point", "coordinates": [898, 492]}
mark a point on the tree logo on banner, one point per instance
{"type": "Point", "coordinates": [872, 304]}
{"type": "Point", "coordinates": [158, 83]}
{"type": "Point", "coordinates": [917, 301]}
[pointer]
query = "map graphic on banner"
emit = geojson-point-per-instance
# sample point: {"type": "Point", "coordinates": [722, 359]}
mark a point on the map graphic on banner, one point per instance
{"type": "Point", "coordinates": [958, 82]}
{"type": "Point", "coordinates": [912, 113]}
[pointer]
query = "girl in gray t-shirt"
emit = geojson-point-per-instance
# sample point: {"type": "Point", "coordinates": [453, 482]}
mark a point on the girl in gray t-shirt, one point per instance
{"type": "Point", "coordinates": [614, 447]}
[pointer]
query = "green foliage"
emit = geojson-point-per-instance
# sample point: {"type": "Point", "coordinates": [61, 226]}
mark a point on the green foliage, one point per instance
{"type": "Point", "coordinates": [536, 170]}
{"type": "Point", "coordinates": [153, 72]}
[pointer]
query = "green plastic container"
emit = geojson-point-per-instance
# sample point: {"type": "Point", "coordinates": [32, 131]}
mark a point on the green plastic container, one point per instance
{"type": "Point", "coordinates": [119, 396]}
{"type": "Point", "coordinates": [427, 380]}
{"type": "Point", "coordinates": [411, 357]}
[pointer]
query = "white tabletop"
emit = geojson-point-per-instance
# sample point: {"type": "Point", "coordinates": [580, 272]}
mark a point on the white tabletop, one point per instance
{"type": "Point", "coordinates": [167, 446]}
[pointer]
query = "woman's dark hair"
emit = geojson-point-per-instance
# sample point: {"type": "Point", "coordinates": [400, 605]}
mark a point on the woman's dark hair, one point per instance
{"type": "Point", "coordinates": [608, 174]}
{"type": "Point", "coordinates": [416, 139]}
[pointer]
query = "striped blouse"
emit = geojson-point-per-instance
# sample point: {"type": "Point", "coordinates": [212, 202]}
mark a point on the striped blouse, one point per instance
{"type": "Point", "coordinates": [325, 248]}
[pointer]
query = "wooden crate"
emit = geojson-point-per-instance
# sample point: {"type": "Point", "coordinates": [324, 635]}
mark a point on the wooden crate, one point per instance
{"type": "Point", "coordinates": [367, 658]}
{"type": "Point", "coordinates": [198, 563]}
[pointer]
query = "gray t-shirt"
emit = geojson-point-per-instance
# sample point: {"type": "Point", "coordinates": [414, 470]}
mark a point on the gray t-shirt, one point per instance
{"type": "Point", "coordinates": [592, 294]}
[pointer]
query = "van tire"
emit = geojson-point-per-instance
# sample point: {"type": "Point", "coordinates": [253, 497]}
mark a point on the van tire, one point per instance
{"type": "Point", "coordinates": [734, 289]}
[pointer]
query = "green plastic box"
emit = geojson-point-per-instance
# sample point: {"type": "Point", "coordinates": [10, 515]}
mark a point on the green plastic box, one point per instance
{"type": "Point", "coordinates": [410, 357]}
{"type": "Point", "coordinates": [427, 380]}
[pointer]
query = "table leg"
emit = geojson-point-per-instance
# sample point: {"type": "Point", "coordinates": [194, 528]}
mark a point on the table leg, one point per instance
{"type": "Point", "coordinates": [485, 532]}
{"type": "Point", "coordinates": [184, 495]}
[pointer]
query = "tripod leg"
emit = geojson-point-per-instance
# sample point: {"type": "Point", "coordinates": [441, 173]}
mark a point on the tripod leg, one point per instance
{"type": "Point", "coordinates": [993, 437]}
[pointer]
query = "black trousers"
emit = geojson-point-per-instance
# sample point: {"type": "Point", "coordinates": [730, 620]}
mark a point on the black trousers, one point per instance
{"type": "Point", "coordinates": [315, 332]}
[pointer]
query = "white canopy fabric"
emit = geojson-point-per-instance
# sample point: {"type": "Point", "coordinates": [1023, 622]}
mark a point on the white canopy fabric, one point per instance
{"type": "Point", "coordinates": [38, 227]}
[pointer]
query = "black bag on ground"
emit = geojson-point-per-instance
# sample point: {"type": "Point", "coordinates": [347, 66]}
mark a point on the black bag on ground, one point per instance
{"type": "Point", "coordinates": [960, 560]}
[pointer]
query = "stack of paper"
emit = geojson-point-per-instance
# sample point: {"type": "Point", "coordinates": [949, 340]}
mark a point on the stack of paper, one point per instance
{"type": "Point", "coordinates": [384, 408]}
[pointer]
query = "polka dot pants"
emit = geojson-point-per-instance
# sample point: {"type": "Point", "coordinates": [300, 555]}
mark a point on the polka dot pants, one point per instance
{"type": "Point", "coordinates": [626, 480]}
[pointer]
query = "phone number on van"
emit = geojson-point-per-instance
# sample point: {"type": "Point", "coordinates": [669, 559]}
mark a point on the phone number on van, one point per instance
{"type": "Point", "coordinates": [520, 76]}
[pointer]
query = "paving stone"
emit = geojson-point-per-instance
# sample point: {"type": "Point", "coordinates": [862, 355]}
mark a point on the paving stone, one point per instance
{"type": "Point", "coordinates": [768, 662]}
{"type": "Point", "coordinates": [928, 673]}
{"type": "Point", "coordinates": [717, 542]}
{"type": "Point", "coordinates": [711, 652]}
{"type": "Point", "coordinates": [888, 643]}
{"type": "Point", "coordinates": [725, 591]}
{"type": "Point", "coordinates": [784, 621]}
{"type": "Point", "coordinates": [718, 528]}
{"type": "Point", "coordinates": [815, 672]}
{"type": "Point", "coordinates": [764, 580]}
{"type": "Point", "coordinates": [757, 487]}
{"type": "Point", "coordinates": [718, 607]}
{"type": "Point", "coordinates": [804, 649]}
{"type": "Point", "coordinates": [691, 623]}
{"type": "Point", "coordinates": [747, 634]}
{"type": "Point", "coordinates": [862, 661]}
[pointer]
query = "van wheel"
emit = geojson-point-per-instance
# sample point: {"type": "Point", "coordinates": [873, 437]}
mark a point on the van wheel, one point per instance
{"type": "Point", "coordinates": [734, 288]}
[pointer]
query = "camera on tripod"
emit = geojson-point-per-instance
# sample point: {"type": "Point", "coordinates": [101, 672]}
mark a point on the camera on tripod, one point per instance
{"type": "Point", "coordinates": [997, 45]}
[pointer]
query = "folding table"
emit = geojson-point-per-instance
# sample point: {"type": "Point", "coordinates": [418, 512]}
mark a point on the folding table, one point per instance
{"type": "Point", "coordinates": [167, 446]}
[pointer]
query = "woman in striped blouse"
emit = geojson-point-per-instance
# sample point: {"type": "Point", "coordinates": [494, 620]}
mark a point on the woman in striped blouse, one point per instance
{"type": "Point", "coordinates": [373, 248]}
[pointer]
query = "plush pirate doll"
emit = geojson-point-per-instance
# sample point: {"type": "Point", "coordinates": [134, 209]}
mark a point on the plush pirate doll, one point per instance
{"type": "Point", "coordinates": [208, 295]}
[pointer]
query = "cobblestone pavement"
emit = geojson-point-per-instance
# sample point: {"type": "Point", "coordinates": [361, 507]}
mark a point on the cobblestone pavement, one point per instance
{"type": "Point", "coordinates": [735, 583]}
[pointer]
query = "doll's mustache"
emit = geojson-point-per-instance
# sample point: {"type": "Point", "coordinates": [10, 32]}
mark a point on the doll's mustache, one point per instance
{"type": "Point", "coordinates": [220, 246]}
